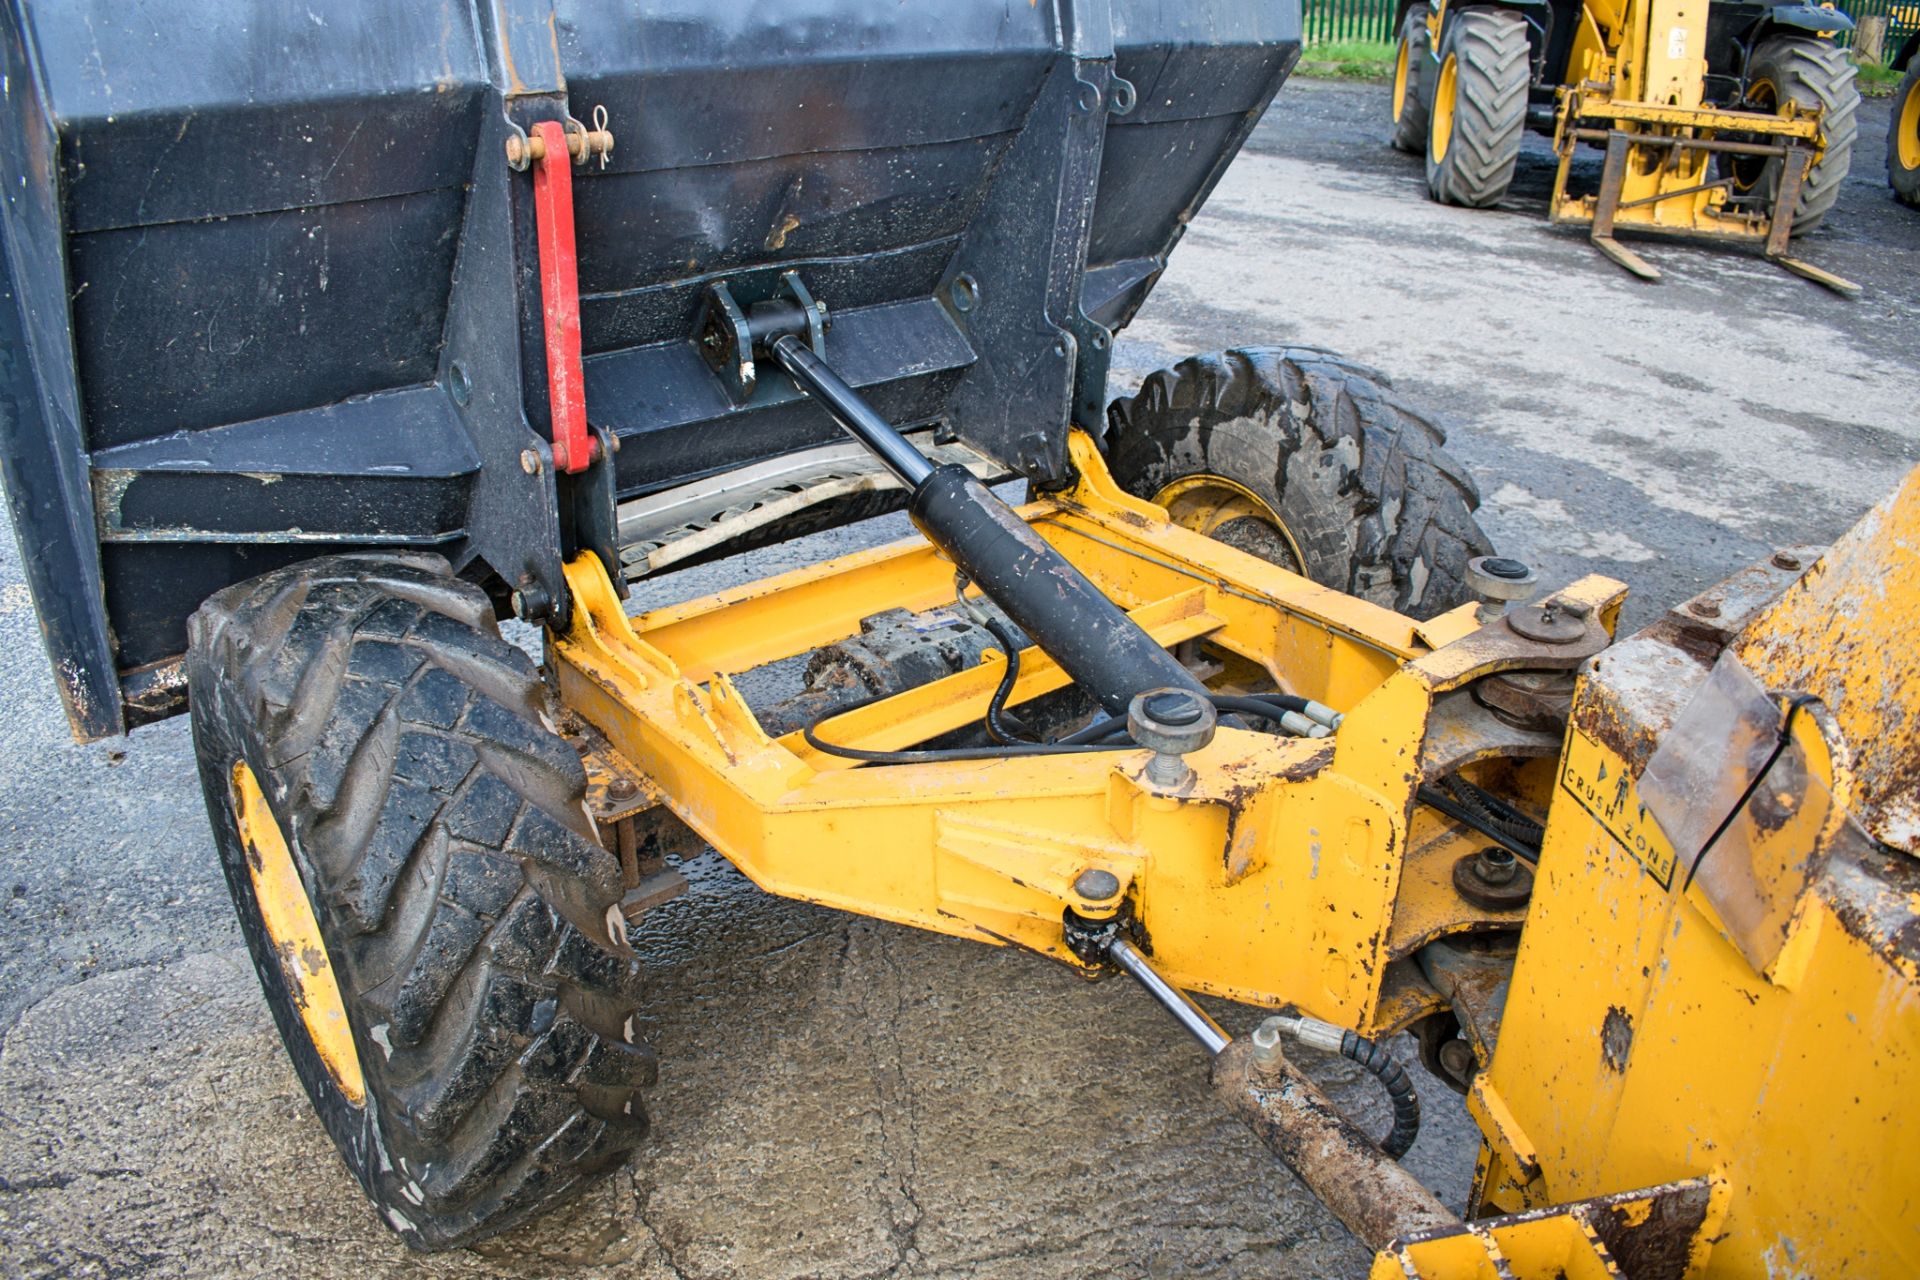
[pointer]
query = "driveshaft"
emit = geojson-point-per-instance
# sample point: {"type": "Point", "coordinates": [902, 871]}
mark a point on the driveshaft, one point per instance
{"type": "Point", "coordinates": [1069, 618]}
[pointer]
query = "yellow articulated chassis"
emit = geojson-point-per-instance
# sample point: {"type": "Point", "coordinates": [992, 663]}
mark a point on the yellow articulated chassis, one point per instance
{"type": "Point", "coordinates": [1301, 873]}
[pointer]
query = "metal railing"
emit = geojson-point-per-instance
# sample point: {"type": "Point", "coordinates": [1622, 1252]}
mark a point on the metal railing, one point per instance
{"type": "Point", "coordinates": [1327, 21]}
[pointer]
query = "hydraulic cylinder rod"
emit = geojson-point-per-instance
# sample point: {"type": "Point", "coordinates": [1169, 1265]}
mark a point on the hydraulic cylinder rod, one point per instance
{"type": "Point", "coordinates": [1176, 1002]}
{"type": "Point", "coordinates": [1072, 621]}
{"type": "Point", "coordinates": [817, 378]}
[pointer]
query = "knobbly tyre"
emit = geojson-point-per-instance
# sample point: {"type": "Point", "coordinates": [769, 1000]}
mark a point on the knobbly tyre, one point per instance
{"type": "Point", "coordinates": [325, 361]}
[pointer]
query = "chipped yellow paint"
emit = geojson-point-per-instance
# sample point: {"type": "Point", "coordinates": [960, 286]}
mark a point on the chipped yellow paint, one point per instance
{"type": "Point", "coordinates": [1272, 879]}
{"type": "Point", "coordinates": [287, 916]}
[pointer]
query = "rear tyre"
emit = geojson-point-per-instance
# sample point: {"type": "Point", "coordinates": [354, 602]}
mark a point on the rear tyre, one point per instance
{"type": "Point", "coordinates": [1903, 138]}
{"type": "Point", "coordinates": [1479, 111]}
{"type": "Point", "coordinates": [432, 921]}
{"type": "Point", "coordinates": [1412, 83]}
{"type": "Point", "coordinates": [1810, 73]}
{"type": "Point", "coordinates": [1310, 462]}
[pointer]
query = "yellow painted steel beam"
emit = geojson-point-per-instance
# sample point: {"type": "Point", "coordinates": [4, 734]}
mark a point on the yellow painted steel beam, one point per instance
{"type": "Point", "coordinates": [1272, 877]}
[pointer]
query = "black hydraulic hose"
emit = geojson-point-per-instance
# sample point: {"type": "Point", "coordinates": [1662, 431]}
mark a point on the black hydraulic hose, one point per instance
{"type": "Point", "coordinates": [1434, 798]}
{"type": "Point", "coordinates": [1000, 727]}
{"type": "Point", "coordinates": [1265, 705]}
{"type": "Point", "coordinates": [1406, 1103]}
{"type": "Point", "coordinates": [1503, 816]}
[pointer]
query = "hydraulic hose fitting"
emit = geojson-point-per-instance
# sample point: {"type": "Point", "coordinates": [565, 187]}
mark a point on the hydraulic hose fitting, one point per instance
{"type": "Point", "coordinates": [1370, 1054]}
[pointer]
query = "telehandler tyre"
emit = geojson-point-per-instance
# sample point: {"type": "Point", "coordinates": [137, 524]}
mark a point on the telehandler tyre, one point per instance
{"type": "Point", "coordinates": [1479, 107]}
{"type": "Point", "coordinates": [1903, 138]}
{"type": "Point", "coordinates": [434, 925]}
{"type": "Point", "coordinates": [1811, 73]}
{"type": "Point", "coordinates": [1310, 462]}
{"type": "Point", "coordinates": [1412, 83]}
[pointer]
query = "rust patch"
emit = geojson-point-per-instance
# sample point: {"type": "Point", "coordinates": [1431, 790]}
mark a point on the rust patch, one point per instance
{"type": "Point", "coordinates": [1616, 1038]}
{"type": "Point", "coordinates": [1651, 1234]}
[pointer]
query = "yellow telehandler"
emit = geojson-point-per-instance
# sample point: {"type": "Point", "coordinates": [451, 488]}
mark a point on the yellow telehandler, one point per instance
{"type": "Point", "coordinates": [1725, 119]}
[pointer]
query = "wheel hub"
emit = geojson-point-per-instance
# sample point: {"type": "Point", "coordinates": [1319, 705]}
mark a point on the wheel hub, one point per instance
{"type": "Point", "coordinates": [287, 915]}
{"type": "Point", "coordinates": [1229, 512]}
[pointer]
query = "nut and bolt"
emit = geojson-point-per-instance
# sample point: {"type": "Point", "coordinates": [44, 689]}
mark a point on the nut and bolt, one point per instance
{"type": "Point", "coordinates": [622, 789]}
{"type": "Point", "coordinates": [1496, 865]}
{"type": "Point", "coordinates": [1096, 885]}
{"type": "Point", "coordinates": [1705, 608]}
{"type": "Point", "coordinates": [530, 461]}
{"type": "Point", "coordinates": [1171, 723]}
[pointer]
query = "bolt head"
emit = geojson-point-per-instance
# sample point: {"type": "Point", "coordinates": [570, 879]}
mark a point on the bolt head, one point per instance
{"type": "Point", "coordinates": [1096, 885]}
{"type": "Point", "coordinates": [1782, 560]}
{"type": "Point", "coordinates": [622, 789]}
{"type": "Point", "coordinates": [1705, 608]}
{"type": "Point", "coordinates": [1174, 707]}
{"type": "Point", "coordinates": [530, 461]}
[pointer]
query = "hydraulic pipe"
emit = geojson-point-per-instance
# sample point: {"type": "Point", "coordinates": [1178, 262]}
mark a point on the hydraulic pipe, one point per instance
{"type": "Point", "coordinates": [1364, 1186]}
{"type": "Point", "coordinates": [817, 378]}
{"type": "Point", "coordinates": [1185, 1011]}
{"type": "Point", "coordinates": [1377, 1199]}
{"type": "Point", "coordinates": [1071, 620]}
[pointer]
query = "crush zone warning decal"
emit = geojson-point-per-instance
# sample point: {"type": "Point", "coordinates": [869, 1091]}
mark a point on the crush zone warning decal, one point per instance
{"type": "Point", "coordinates": [1595, 777]}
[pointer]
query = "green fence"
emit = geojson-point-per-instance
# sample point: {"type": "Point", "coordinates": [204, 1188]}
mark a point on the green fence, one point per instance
{"type": "Point", "coordinates": [1331, 20]}
{"type": "Point", "coordinates": [1903, 19]}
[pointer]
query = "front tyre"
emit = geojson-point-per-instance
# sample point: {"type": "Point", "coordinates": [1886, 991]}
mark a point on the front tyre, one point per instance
{"type": "Point", "coordinates": [433, 923]}
{"type": "Point", "coordinates": [1479, 113]}
{"type": "Point", "coordinates": [1809, 73]}
{"type": "Point", "coordinates": [1412, 83]}
{"type": "Point", "coordinates": [1903, 138]}
{"type": "Point", "coordinates": [1310, 462]}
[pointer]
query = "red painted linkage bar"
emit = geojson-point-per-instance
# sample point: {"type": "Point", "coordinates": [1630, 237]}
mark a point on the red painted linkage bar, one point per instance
{"type": "Point", "coordinates": [573, 447]}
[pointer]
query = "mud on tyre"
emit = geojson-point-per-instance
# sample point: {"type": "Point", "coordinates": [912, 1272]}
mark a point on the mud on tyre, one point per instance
{"type": "Point", "coordinates": [361, 725]}
{"type": "Point", "coordinates": [1309, 461]}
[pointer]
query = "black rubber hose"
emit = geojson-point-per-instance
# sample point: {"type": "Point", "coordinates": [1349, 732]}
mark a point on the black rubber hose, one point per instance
{"type": "Point", "coordinates": [1000, 726]}
{"type": "Point", "coordinates": [1399, 1085]}
{"type": "Point", "coordinates": [1434, 798]}
{"type": "Point", "coordinates": [1249, 705]}
{"type": "Point", "coordinates": [1496, 811]}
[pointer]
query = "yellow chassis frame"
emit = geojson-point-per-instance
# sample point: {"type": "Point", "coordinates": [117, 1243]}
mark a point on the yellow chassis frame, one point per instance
{"type": "Point", "coordinates": [1287, 871]}
{"type": "Point", "coordinates": [1668, 1094]}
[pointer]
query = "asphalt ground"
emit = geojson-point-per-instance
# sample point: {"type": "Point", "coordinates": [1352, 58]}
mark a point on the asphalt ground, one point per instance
{"type": "Point", "coordinates": [842, 1098]}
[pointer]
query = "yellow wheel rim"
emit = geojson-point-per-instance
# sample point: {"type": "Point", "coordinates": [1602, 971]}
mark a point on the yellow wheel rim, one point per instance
{"type": "Point", "coordinates": [1908, 147]}
{"type": "Point", "coordinates": [1400, 61]}
{"type": "Point", "coordinates": [1442, 128]}
{"type": "Point", "coordinates": [1234, 514]}
{"type": "Point", "coordinates": [295, 934]}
